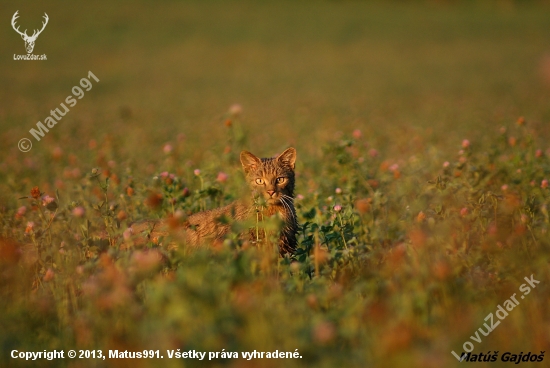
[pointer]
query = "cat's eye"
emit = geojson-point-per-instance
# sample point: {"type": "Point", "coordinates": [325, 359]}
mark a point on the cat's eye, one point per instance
{"type": "Point", "coordinates": [281, 180]}
{"type": "Point", "coordinates": [259, 181]}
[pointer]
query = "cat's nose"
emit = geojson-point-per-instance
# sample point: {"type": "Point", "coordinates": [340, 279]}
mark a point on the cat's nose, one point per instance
{"type": "Point", "coordinates": [271, 192]}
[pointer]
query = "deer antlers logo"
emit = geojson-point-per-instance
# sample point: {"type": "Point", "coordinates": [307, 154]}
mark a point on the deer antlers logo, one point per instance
{"type": "Point", "coordinates": [29, 40]}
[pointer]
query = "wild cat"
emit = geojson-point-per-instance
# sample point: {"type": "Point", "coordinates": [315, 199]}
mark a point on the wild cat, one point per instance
{"type": "Point", "coordinates": [271, 181]}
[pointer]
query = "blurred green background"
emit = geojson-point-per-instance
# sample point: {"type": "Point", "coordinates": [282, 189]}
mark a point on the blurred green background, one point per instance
{"type": "Point", "coordinates": [301, 70]}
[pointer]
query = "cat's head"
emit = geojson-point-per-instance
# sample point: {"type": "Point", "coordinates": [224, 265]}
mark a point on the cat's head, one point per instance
{"type": "Point", "coordinates": [271, 179]}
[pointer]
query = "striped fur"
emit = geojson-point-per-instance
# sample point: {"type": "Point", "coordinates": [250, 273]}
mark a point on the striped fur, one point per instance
{"type": "Point", "coordinates": [272, 183]}
{"type": "Point", "coordinates": [263, 176]}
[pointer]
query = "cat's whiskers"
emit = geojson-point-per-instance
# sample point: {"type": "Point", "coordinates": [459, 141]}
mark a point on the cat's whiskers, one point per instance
{"type": "Point", "coordinates": [274, 174]}
{"type": "Point", "coordinates": [287, 197]}
{"type": "Point", "coordinates": [285, 204]}
{"type": "Point", "coordinates": [268, 176]}
{"type": "Point", "coordinates": [290, 202]}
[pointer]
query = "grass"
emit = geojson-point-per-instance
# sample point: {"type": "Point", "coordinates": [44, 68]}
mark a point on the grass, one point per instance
{"type": "Point", "coordinates": [422, 198]}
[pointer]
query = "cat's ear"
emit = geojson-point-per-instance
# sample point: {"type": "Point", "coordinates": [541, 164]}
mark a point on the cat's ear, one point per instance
{"type": "Point", "coordinates": [288, 157]}
{"type": "Point", "coordinates": [249, 161]}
